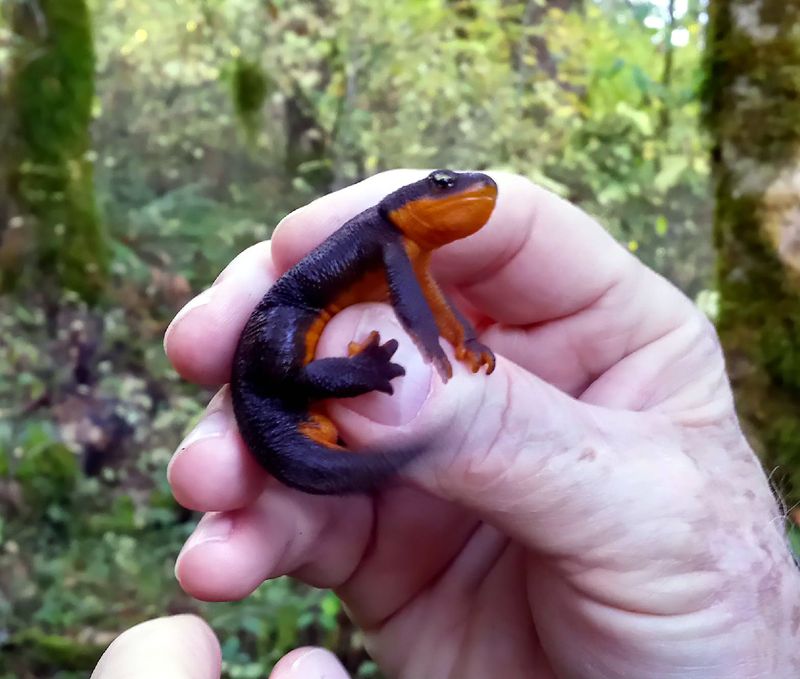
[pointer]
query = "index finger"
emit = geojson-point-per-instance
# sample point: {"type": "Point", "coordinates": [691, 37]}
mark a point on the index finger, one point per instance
{"type": "Point", "coordinates": [538, 258]}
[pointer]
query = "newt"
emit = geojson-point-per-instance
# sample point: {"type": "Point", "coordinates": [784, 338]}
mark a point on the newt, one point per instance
{"type": "Point", "coordinates": [381, 255]}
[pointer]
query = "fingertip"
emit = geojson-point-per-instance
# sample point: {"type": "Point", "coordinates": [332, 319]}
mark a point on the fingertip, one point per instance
{"type": "Point", "coordinates": [216, 474]}
{"type": "Point", "coordinates": [213, 566]}
{"type": "Point", "coordinates": [309, 663]}
{"type": "Point", "coordinates": [181, 345]}
{"type": "Point", "coordinates": [176, 647]}
{"type": "Point", "coordinates": [201, 340]}
{"type": "Point", "coordinates": [212, 469]}
{"type": "Point", "coordinates": [232, 578]}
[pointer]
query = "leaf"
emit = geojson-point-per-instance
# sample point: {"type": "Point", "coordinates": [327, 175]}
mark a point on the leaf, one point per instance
{"type": "Point", "coordinates": [642, 80]}
{"type": "Point", "coordinates": [640, 118]}
{"type": "Point", "coordinates": [794, 540]}
{"type": "Point", "coordinates": [672, 167]}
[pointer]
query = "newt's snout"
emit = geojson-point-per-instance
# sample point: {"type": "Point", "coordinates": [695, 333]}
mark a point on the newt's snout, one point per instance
{"type": "Point", "coordinates": [449, 206]}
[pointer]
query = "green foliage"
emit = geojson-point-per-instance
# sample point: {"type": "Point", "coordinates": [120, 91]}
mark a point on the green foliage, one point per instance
{"type": "Point", "coordinates": [52, 90]}
{"type": "Point", "coordinates": [249, 90]}
{"type": "Point", "coordinates": [47, 472]}
{"type": "Point", "coordinates": [357, 86]}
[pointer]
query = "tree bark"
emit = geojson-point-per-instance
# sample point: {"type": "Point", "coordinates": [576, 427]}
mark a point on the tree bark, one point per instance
{"type": "Point", "coordinates": [752, 97]}
{"type": "Point", "coordinates": [50, 182]}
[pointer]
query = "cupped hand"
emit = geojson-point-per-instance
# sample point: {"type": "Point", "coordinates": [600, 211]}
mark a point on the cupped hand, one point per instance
{"type": "Point", "coordinates": [592, 509]}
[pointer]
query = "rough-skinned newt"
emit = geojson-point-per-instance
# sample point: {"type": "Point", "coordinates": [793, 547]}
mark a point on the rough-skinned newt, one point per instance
{"type": "Point", "coordinates": [381, 255]}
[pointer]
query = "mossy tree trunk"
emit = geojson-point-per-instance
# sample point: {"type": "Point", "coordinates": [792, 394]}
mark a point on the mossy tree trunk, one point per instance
{"type": "Point", "coordinates": [50, 95]}
{"type": "Point", "coordinates": [752, 96]}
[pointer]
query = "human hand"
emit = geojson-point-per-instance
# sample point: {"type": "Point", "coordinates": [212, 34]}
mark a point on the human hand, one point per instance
{"type": "Point", "coordinates": [594, 510]}
{"type": "Point", "coordinates": [184, 647]}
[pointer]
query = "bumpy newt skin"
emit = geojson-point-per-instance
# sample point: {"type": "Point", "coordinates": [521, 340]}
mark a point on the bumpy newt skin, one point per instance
{"type": "Point", "coordinates": [382, 254]}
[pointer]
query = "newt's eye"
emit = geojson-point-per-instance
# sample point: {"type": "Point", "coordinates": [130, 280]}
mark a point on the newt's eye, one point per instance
{"type": "Point", "coordinates": [443, 179]}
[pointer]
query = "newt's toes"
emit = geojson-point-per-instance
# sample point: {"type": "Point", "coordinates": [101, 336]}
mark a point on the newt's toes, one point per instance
{"type": "Point", "coordinates": [372, 340]}
{"type": "Point", "coordinates": [476, 355]}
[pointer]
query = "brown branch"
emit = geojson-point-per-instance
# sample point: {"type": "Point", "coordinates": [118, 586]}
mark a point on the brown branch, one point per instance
{"type": "Point", "coordinates": [666, 76]}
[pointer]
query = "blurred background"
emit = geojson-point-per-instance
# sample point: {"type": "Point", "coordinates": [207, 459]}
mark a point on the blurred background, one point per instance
{"type": "Point", "coordinates": [144, 143]}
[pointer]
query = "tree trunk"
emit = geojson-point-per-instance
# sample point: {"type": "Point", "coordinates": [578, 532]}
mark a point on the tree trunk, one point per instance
{"type": "Point", "coordinates": [752, 96]}
{"type": "Point", "coordinates": [50, 96]}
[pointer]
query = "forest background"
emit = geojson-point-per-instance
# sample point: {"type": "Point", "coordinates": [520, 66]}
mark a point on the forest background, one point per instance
{"type": "Point", "coordinates": [143, 144]}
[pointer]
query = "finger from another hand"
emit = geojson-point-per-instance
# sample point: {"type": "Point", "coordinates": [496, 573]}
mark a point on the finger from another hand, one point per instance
{"type": "Point", "coordinates": [309, 663]}
{"type": "Point", "coordinates": [178, 647]}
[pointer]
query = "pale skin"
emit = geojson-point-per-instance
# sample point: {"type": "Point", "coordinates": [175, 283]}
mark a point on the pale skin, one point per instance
{"type": "Point", "coordinates": [592, 512]}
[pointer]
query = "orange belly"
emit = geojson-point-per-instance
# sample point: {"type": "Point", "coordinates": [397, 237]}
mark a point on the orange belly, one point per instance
{"type": "Point", "coordinates": [371, 287]}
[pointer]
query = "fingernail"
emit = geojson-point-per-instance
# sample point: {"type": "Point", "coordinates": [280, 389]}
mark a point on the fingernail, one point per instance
{"type": "Point", "coordinates": [218, 401]}
{"type": "Point", "coordinates": [213, 425]}
{"type": "Point", "coordinates": [201, 300]}
{"type": "Point", "coordinates": [288, 218]}
{"type": "Point", "coordinates": [317, 664]}
{"type": "Point", "coordinates": [213, 527]}
{"type": "Point", "coordinates": [263, 249]}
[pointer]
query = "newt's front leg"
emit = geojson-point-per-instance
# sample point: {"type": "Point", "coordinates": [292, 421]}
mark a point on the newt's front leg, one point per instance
{"type": "Point", "coordinates": [412, 308]}
{"type": "Point", "coordinates": [452, 325]}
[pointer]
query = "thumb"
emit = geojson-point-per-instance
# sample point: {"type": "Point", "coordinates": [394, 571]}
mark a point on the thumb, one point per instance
{"type": "Point", "coordinates": [529, 458]}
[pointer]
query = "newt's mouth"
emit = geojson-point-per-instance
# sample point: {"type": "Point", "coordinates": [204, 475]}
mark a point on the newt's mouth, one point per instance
{"type": "Point", "coordinates": [436, 220]}
{"type": "Point", "coordinates": [474, 196]}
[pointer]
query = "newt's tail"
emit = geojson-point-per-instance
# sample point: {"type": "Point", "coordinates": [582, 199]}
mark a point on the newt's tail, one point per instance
{"type": "Point", "coordinates": [277, 440]}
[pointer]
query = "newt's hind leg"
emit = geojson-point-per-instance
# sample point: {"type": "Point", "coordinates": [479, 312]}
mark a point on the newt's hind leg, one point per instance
{"type": "Point", "coordinates": [368, 368]}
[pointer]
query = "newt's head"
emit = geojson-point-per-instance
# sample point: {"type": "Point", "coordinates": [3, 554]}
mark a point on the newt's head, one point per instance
{"type": "Point", "coordinates": [441, 208]}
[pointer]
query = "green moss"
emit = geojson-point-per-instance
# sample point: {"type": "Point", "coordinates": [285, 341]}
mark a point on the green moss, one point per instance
{"type": "Point", "coordinates": [40, 649]}
{"type": "Point", "coordinates": [752, 99]}
{"type": "Point", "coordinates": [249, 91]}
{"type": "Point", "coordinates": [761, 116]}
{"type": "Point", "coordinates": [52, 90]}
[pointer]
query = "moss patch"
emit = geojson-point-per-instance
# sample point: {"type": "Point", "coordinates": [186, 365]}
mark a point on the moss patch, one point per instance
{"type": "Point", "coordinates": [752, 98]}
{"type": "Point", "coordinates": [249, 91]}
{"type": "Point", "coordinates": [52, 91]}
